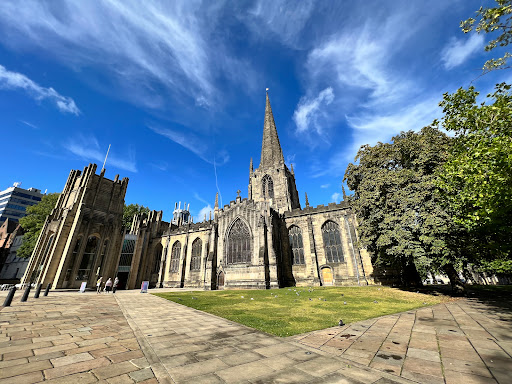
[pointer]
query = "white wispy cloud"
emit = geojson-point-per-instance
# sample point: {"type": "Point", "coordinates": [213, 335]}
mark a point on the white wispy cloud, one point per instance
{"type": "Point", "coordinates": [17, 81]}
{"type": "Point", "coordinates": [457, 51]}
{"type": "Point", "coordinates": [29, 124]}
{"type": "Point", "coordinates": [325, 186]}
{"type": "Point", "coordinates": [194, 143]}
{"type": "Point", "coordinates": [309, 111]}
{"type": "Point", "coordinates": [141, 47]}
{"type": "Point", "coordinates": [88, 148]}
{"type": "Point", "coordinates": [204, 211]}
{"type": "Point", "coordinates": [335, 197]}
{"type": "Point", "coordinates": [279, 19]}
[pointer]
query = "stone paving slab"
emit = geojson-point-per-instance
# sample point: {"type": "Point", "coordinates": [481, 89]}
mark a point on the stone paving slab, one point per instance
{"type": "Point", "coordinates": [131, 337]}
{"type": "Point", "coordinates": [189, 346]}
{"type": "Point", "coordinates": [466, 341]}
{"type": "Point", "coordinates": [68, 337]}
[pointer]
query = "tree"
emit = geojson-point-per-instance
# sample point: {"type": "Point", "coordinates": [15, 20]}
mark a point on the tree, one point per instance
{"type": "Point", "coordinates": [34, 221]}
{"type": "Point", "coordinates": [401, 219]}
{"type": "Point", "coordinates": [129, 212]}
{"type": "Point", "coordinates": [476, 180]}
{"type": "Point", "coordinates": [496, 19]}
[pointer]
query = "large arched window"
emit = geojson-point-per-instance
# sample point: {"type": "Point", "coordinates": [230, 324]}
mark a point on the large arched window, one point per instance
{"type": "Point", "coordinates": [332, 242]}
{"type": "Point", "coordinates": [295, 235]}
{"type": "Point", "coordinates": [195, 264]}
{"type": "Point", "coordinates": [175, 257]}
{"type": "Point", "coordinates": [84, 271]}
{"type": "Point", "coordinates": [239, 244]}
{"type": "Point", "coordinates": [267, 187]}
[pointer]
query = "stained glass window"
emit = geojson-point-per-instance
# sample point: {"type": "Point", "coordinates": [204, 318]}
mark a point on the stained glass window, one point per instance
{"type": "Point", "coordinates": [295, 235]}
{"type": "Point", "coordinates": [238, 244]}
{"type": "Point", "coordinates": [175, 256]}
{"type": "Point", "coordinates": [197, 246]}
{"type": "Point", "coordinates": [332, 242]}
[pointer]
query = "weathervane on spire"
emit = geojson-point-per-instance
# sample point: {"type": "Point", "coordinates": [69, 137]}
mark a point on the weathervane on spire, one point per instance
{"type": "Point", "coordinates": [266, 89]}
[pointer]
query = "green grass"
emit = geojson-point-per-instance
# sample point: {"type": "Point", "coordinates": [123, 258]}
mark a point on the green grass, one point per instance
{"type": "Point", "coordinates": [298, 310]}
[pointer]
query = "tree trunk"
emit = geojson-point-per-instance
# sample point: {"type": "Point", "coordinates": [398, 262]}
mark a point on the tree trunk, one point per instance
{"type": "Point", "coordinates": [411, 277]}
{"type": "Point", "coordinates": [457, 285]}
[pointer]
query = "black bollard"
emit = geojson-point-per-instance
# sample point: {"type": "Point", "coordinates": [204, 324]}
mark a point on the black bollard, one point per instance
{"type": "Point", "coordinates": [10, 295]}
{"type": "Point", "coordinates": [25, 294]}
{"type": "Point", "coordinates": [38, 291]}
{"type": "Point", "coordinates": [47, 289]}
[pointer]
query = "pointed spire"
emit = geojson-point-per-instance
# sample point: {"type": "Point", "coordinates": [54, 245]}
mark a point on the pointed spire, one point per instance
{"type": "Point", "coordinates": [307, 201]}
{"type": "Point", "coordinates": [251, 168]}
{"type": "Point", "coordinates": [217, 201]}
{"type": "Point", "coordinates": [271, 153]}
{"type": "Point", "coordinates": [344, 194]}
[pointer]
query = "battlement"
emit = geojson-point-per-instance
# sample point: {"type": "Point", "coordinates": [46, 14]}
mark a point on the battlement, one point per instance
{"type": "Point", "coordinates": [318, 209]}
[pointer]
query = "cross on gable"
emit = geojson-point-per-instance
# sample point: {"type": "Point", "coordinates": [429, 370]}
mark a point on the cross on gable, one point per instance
{"type": "Point", "coordinates": [238, 193]}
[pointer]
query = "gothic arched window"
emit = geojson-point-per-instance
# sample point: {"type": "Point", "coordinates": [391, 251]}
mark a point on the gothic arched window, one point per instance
{"type": "Point", "coordinates": [195, 264]}
{"type": "Point", "coordinates": [267, 187]}
{"type": "Point", "coordinates": [295, 235]}
{"type": "Point", "coordinates": [332, 242]}
{"type": "Point", "coordinates": [175, 256]}
{"type": "Point", "coordinates": [238, 244]}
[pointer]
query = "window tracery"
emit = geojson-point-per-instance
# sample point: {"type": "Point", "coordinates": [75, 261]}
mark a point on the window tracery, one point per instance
{"type": "Point", "coordinates": [175, 256]}
{"type": "Point", "coordinates": [267, 186]}
{"type": "Point", "coordinates": [238, 244]}
{"type": "Point", "coordinates": [197, 246]}
{"type": "Point", "coordinates": [295, 236]}
{"type": "Point", "coordinates": [332, 242]}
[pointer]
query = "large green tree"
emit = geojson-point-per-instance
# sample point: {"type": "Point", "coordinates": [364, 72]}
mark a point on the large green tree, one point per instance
{"type": "Point", "coordinates": [401, 219]}
{"type": "Point", "coordinates": [130, 211]}
{"type": "Point", "coordinates": [498, 21]}
{"type": "Point", "coordinates": [34, 221]}
{"type": "Point", "coordinates": [476, 180]}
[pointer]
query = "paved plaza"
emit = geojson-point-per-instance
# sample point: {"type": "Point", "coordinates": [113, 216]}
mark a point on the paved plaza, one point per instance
{"type": "Point", "coordinates": [69, 337]}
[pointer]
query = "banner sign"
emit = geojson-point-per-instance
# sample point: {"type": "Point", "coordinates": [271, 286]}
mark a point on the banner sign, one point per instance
{"type": "Point", "coordinates": [144, 287]}
{"type": "Point", "coordinates": [82, 287]}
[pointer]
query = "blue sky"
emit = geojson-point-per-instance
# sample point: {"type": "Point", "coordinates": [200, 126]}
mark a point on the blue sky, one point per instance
{"type": "Point", "coordinates": [178, 88]}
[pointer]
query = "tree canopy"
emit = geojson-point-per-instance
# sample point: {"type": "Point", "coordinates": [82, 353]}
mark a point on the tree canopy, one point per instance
{"type": "Point", "coordinates": [476, 180]}
{"type": "Point", "coordinates": [493, 20]}
{"type": "Point", "coordinates": [129, 213]}
{"type": "Point", "coordinates": [34, 221]}
{"type": "Point", "coordinates": [402, 221]}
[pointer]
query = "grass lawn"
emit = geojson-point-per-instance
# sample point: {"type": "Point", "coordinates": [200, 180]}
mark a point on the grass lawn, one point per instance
{"type": "Point", "coordinates": [291, 311]}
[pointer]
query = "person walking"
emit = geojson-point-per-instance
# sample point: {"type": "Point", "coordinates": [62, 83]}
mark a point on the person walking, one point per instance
{"type": "Point", "coordinates": [108, 285]}
{"type": "Point", "coordinates": [98, 285]}
{"type": "Point", "coordinates": [114, 287]}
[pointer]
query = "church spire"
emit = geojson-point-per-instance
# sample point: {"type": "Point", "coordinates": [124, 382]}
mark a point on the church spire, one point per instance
{"type": "Point", "coordinates": [271, 153]}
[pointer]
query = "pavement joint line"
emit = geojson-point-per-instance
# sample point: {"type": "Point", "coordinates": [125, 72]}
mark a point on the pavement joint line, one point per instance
{"type": "Point", "coordinates": [469, 340]}
{"type": "Point", "coordinates": [147, 350]}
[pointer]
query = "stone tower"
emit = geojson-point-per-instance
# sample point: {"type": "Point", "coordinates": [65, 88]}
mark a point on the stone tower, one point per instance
{"type": "Point", "coordinates": [272, 181]}
{"type": "Point", "coordinates": [82, 236]}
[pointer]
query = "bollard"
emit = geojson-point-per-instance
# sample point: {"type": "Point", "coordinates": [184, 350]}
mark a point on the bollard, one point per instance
{"type": "Point", "coordinates": [25, 294]}
{"type": "Point", "coordinates": [38, 291]}
{"type": "Point", "coordinates": [10, 295]}
{"type": "Point", "coordinates": [47, 289]}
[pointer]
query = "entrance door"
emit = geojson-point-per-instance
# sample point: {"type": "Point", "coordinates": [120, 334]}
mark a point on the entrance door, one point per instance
{"type": "Point", "coordinates": [123, 279]}
{"type": "Point", "coordinates": [220, 280]}
{"type": "Point", "coordinates": [327, 276]}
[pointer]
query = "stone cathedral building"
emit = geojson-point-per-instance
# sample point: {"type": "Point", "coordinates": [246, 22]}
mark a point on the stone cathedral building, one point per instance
{"type": "Point", "coordinates": [266, 240]}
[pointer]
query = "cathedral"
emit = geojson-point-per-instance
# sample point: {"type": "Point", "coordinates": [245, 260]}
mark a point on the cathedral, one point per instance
{"type": "Point", "coordinates": [266, 240]}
